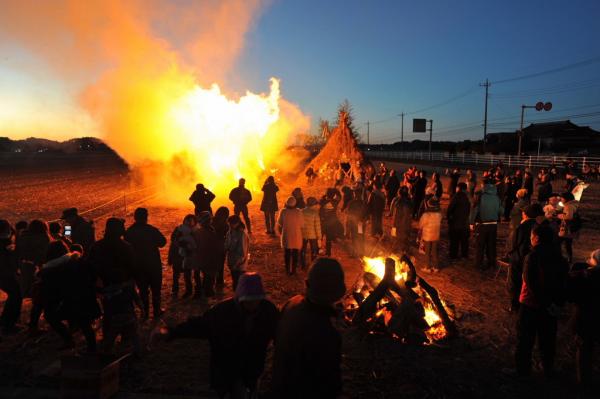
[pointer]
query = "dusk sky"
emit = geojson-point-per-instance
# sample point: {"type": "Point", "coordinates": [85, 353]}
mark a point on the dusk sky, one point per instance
{"type": "Point", "coordinates": [385, 57]}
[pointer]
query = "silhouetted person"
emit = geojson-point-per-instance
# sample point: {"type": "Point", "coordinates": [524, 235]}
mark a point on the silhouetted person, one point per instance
{"type": "Point", "coordinates": [69, 294]}
{"type": "Point", "coordinates": [239, 331]}
{"type": "Point", "coordinates": [401, 211]}
{"type": "Point", "coordinates": [356, 222]}
{"type": "Point", "coordinates": [8, 280]}
{"type": "Point", "coordinates": [183, 257]}
{"type": "Point", "coordinates": [331, 225]}
{"type": "Point", "coordinates": [207, 246]}
{"type": "Point", "coordinates": [376, 207]}
{"type": "Point", "coordinates": [82, 231]}
{"type": "Point", "coordinates": [391, 187]}
{"type": "Point", "coordinates": [202, 198]}
{"type": "Point", "coordinates": [221, 228]}
{"type": "Point", "coordinates": [237, 248]}
{"type": "Point", "coordinates": [308, 353]}
{"type": "Point", "coordinates": [419, 193]}
{"type": "Point", "coordinates": [542, 291]}
{"type": "Point", "coordinates": [241, 196]}
{"type": "Point", "coordinates": [454, 178]}
{"type": "Point", "coordinates": [112, 259]}
{"type": "Point", "coordinates": [269, 204]}
{"type": "Point", "coordinates": [458, 222]}
{"type": "Point", "coordinates": [297, 193]}
{"type": "Point", "coordinates": [146, 241]}
{"type": "Point", "coordinates": [57, 233]}
{"type": "Point", "coordinates": [311, 232]}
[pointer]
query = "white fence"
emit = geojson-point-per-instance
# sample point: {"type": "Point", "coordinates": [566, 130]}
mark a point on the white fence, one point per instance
{"type": "Point", "coordinates": [531, 161]}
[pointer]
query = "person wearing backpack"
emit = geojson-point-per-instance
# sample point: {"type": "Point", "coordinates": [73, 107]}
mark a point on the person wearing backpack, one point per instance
{"type": "Point", "coordinates": [570, 224]}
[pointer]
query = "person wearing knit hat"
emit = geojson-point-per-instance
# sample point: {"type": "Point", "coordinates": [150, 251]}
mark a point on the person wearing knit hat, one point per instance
{"type": "Point", "coordinates": [239, 331]}
{"type": "Point", "coordinates": [307, 356]}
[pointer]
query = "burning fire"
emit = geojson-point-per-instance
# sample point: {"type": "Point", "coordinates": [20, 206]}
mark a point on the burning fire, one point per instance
{"type": "Point", "coordinates": [227, 139]}
{"type": "Point", "coordinates": [376, 266]}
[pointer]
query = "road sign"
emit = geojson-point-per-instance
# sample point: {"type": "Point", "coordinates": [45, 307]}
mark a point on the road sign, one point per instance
{"type": "Point", "coordinates": [419, 126]}
{"type": "Point", "coordinates": [539, 106]}
{"type": "Point", "coordinates": [548, 106]}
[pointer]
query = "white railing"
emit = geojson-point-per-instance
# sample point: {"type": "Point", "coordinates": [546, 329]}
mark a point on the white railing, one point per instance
{"type": "Point", "coordinates": [531, 161]}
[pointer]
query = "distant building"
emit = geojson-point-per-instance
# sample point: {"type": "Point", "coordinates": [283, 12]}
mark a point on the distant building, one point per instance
{"type": "Point", "coordinates": [560, 137]}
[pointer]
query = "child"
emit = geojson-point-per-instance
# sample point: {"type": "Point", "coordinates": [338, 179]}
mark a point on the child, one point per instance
{"type": "Point", "coordinates": [429, 230]}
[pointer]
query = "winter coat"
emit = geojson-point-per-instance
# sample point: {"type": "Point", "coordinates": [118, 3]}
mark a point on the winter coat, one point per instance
{"type": "Point", "coordinates": [308, 352]}
{"type": "Point", "coordinates": [488, 207]}
{"type": "Point", "coordinates": [221, 229]}
{"type": "Point", "coordinates": [357, 211]}
{"type": "Point", "coordinates": [401, 214]}
{"type": "Point", "coordinates": [238, 340]}
{"type": "Point", "coordinates": [207, 245]}
{"type": "Point", "coordinates": [237, 247]}
{"type": "Point", "coordinates": [202, 199]}
{"type": "Point", "coordinates": [269, 201]}
{"type": "Point", "coordinates": [430, 224]}
{"type": "Point", "coordinates": [8, 264]}
{"type": "Point", "coordinates": [185, 241]}
{"type": "Point", "coordinates": [240, 196]}
{"type": "Point", "coordinates": [583, 286]}
{"type": "Point", "coordinates": [544, 277]}
{"type": "Point", "coordinates": [83, 233]}
{"type": "Point", "coordinates": [330, 224]}
{"type": "Point", "coordinates": [30, 250]}
{"type": "Point", "coordinates": [311, 228]}
{"type": "Point", "coordinates": [112, 261]}
{"type": "Point", "coordinates": [145, 240]}
{"type": "Point", "coordinates": [392, 186]}
{"type": "Point", "coordinates": [544, 192]}
{"type": "Point", "coordinates": [521, 244]}
{"type": "Point", "coordinates": [290, 224]}
{"type": "Point", "coordinates": [175, 257]}
{"type": "Point", "coordinates": [376, 203]}
{"type": "Point", "coordinates": [68, 289]}
{"type": "Point", "coordinates": [516, 213]}
{"type": "Point", "coordinates": [459, 211]}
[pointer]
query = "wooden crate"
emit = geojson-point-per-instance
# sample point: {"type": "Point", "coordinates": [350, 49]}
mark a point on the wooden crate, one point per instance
{"type": "Point", "coordinates": [89, 376]}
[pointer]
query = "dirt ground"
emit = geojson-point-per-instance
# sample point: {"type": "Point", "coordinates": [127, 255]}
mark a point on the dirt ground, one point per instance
{"type": "Point", "coordinates": [476, 364]}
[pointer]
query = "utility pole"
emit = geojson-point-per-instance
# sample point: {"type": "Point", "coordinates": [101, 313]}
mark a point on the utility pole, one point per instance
{"type": "Point", "coordinates": [368, 136]}
{"type": "Point", "coordinates": [487, 85]}
{"type": "Point", "coordinates": [402, 134]}
{"type": "Point", "coordinates": [430, 136]}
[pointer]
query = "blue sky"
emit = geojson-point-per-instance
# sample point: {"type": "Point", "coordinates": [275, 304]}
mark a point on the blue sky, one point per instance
{"type": "Point", "coordinates": [393, 56]}
{"type": "Point", "coordinates": [385, 57]}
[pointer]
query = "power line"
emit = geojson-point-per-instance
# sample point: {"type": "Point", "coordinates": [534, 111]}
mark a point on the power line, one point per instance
{"type": "Point", "coordinates": [550, 71]}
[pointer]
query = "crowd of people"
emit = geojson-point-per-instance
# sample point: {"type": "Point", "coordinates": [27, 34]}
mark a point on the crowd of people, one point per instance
{"type": "Point", "coordinates": [73, 278]}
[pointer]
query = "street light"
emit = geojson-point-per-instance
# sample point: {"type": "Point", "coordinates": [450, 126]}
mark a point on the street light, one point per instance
{"type": "Point", "coordinates": [539, 106]}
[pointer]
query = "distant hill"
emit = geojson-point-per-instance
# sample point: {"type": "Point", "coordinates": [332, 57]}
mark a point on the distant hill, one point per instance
{"type": "Point", "coordinates": [37, 152]}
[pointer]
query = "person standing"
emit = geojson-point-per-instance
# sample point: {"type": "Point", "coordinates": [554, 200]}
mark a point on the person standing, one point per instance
{"type": "Point", "coordinates": [146, 241]}
{"type": "Point", "coordinates": [436, 184]}
{"type": "Point", "coordinates": [290, 224]}
{"type": "Point", "coordinates": [297, 193]}
{"type": "Point", "coordinates": [471, 182]}
{"type": "Point", "coordinates": [239, 331]}
{"type": "Point", "coordinates": [221, 228]}
{"type": "Point", "coordinates": [311, 231]}
{"type": "Point", "coordinates": [520, 248]}
{"type": "Point", "coordinates": [570, 223]}
{"type": "Point", "coordinates": [458, 222]}
{"type": "Point", "coordinates": [202, 198]}
{"type": "Point", "coordinates": [376, 207]}
{"type": "Point", "coordinates": [391, 187]}
{"type": "Point", "coordinates": [207, 247]}
{"type": "Point", "coordinates": [429, 227]}
{"type": "Point", "coordinates": [542, 291]}
{"type": "Point", "coordinates": [401, 210]}
{"type": "Point", "coordinates": [355, 222]}
{"type": "Point", "coordinates": [241, 197]}
{"type": "Point", "coordinates": [484, 216]}
{"type": "Point", "coordinates": [330, 224]}
{"type": "Point", "coordinates": [528, 185]}
{"type": "Point", "coordinates": [237, 248]}
{"type": "Point", "coordinates": [454, 178]}
{"type": "Point", "coordinates": [308, 354]}
{"type": "Point", "coordinates": [269, 203]}
{"type": "Point", "coordinates": [544, 189]}
{"type": "Point", "coordinates": [8, 280]}
{"type": "Point", "coordinates": [419, 193]}
{"type": "Point", "coordinates": [112, 260]}
{"type": "Point", "coordinates": [82, 231]}
{"type": "Point", "coordinates": [182, 256]}
{"type": "Point", "coordinates": [584, 290]}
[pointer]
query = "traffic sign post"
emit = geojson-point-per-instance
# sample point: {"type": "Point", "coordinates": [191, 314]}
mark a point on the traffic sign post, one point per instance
{"type": "Point", "coordinates": [539, 106]}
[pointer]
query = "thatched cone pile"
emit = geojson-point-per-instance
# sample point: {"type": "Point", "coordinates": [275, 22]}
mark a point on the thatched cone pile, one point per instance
{"type": "Point", "coordinates": [341, 148]}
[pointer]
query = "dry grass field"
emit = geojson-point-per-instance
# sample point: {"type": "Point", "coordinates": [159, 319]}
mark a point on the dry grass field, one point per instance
{"type": "Point", "coordinates": [476, 364]}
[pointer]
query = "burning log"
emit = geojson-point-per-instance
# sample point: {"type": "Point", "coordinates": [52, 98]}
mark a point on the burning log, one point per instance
{"type": "Point", "coordinates": [400, 302]}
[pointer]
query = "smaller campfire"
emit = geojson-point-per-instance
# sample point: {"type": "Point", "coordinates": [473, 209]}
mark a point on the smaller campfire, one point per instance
{"type": "Point", "coordinates": [391, 299]}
